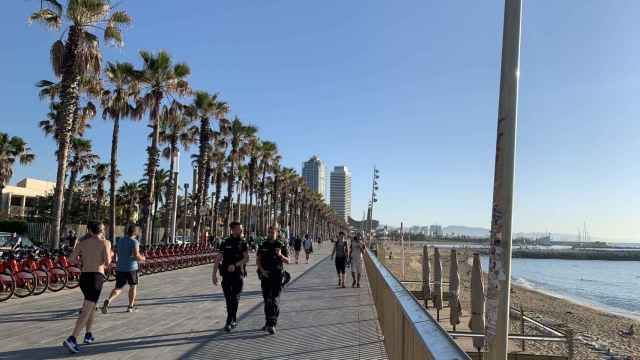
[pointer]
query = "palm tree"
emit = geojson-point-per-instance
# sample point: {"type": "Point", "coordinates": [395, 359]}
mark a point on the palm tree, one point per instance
{"type": "Point", "coordinates": [12, 149]}
{"type": "Point", "coordinates": [78, 55]}
{"type": "Point", "coordinates": [116, 105]}
{"type": "Point", "coordinates": [268, 152]}
{"type": "Point", "coordinates": [254, 149]}
{"type": "Point", "coordinates": [218, 163]}
{"type": "Point", "coordinates": [159, 79]}
{"type": "Point", "coordinates": [175, 130]}
{"type": "Point", "coordinates": [82, 158]}
{"type": "Point", "coordinates": [239, 134]}
{"type": "Point", "coordinates": [101, 171]}
{"type": "Point", "coordinates": [204, 107]}
{"type": "Point", "coordinates": [129, 194]}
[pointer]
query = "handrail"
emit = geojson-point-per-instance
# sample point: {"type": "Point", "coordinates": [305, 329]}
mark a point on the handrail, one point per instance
{"type": "Point", "coordinates": [410, 332]}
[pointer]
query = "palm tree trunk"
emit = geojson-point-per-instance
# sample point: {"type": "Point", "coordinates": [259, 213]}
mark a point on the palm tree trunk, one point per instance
{"type": "Point", "coordinates": [69, 198]}
{"type": "Point", "coordinates": [202, 165]}
{"type": "Point", "coordinates": [216, 207]}
{"type": "Point", "coordinates": [230, 189]}
{"type": "Point", "coordinates": [69, 96]}
{"type": "Point", "coordinates": [238, 203]}
{"type": "Point", "coordinates": [112, 178]}
{"type": "Point", "coordinates": [152, 165]}
{"type": "Point", "coordinates": [172, 193]}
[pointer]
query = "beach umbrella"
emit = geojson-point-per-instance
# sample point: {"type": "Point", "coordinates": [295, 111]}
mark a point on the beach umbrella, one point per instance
{"type": "Point", "coordinates": [476, 323]}
{"type": "Point", "coordinates": [426, 276]}
{"type": "Point", "coordinates": [436, 296]}
{"type": "Point", "coordinates": [454, 290]}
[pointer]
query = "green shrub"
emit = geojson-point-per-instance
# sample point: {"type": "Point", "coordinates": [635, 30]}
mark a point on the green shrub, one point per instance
{"type": "Point", "coordinates": [11, 226]}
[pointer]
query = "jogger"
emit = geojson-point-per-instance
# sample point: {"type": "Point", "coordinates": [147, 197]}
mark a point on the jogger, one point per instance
{"type": "Point", "coordinates": [128, 253]}
{"type": "Point", "coordinates": [95, 253]}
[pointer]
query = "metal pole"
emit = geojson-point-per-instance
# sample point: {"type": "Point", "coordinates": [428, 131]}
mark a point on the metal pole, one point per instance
{"type": "Point", "coordinates": [184, 214]}
{"type": "Point", "coordinates": [402, 245]}
{"type": "Point", "coordinates": [175, 157]}
{"type": "Point", "coordinates": [499, 284]}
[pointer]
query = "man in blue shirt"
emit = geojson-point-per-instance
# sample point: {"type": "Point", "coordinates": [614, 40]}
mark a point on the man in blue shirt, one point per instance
{"type": "Point", "coordinates": [128, 253]}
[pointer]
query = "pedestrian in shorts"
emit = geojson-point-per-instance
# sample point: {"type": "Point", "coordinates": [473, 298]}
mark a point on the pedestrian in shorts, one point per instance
{"type": "Point", "coordinates": [128, 254]}
{"type": "Point", "coordinates": [95, 255]}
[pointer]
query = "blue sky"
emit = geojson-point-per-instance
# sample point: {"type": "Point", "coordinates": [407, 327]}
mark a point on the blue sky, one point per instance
{"type": "Point", "coordinates": [409, 86]}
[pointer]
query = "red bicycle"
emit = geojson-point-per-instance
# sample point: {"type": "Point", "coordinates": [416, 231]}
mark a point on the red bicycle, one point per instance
{"type": "Point", "coordinates": [30, 264]}
{"type": "Point", "coordinates": [7, 281]}
{"type": "Point", "coordinates": [57, 274]}
{"type": "Point", "coordinates": [73, 272]}
{"type": "Point", "coordinates": [24, 281]}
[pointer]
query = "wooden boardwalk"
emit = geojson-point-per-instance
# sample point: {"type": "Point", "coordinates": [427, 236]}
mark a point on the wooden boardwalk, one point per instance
{"type": "Point", "coordinates": [180, 316]}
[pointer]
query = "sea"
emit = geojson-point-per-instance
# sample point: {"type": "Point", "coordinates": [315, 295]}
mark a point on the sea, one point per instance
{"type": "Point", "coordinates": [612, 286]}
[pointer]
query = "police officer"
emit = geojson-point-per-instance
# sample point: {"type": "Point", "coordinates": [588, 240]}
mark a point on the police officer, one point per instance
{"type": "Point", "coordinates": [235, 254]}
{"type": "Point", "coordinates": [270, 261]}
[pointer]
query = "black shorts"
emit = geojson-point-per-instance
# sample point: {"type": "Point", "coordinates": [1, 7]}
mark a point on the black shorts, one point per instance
{"type": "Point", "coordinates": [341, 265]}
{"type": "Point", "coordinates": [126, 277]}
{"type": "Point", "coordinates": [91, 285]}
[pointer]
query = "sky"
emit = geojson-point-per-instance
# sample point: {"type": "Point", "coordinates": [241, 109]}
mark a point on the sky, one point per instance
{"type": "Point", "coordinates": [410, 87]}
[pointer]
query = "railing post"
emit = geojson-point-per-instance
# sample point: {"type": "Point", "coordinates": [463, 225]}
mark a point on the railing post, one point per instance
{"type": "Point", "coordinates": [570, 349]}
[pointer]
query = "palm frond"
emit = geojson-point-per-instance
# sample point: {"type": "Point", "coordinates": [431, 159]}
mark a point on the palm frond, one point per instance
{"type": "Point", "coordinates": [56, 55]}
{"type": "Point", "coordinates": [47, 18]}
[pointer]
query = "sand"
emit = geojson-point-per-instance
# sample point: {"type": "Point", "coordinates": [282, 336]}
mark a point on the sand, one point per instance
{"type": "Point", "coordinates": [596, 331]}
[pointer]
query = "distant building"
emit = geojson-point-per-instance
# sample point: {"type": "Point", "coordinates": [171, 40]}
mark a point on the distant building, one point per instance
{"type": "Point", "coordinates": [340, 198]}
{"type": "Point", "coordinates": [314, 175]}
{"type": "Point", "coordinates": [435, 230]}
{"type": "Point", "coordinates": [363, 225]}
{"type": "Point", "coordinates": [19, 200]}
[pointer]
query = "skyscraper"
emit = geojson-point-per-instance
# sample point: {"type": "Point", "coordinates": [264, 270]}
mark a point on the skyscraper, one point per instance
{"type": "Point", "coordinates": [313, 173]}
{"type": "Point", "coordinates": [341, 192]}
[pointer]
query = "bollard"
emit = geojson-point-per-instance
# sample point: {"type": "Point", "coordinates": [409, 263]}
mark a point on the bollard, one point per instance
{"type": "Point", "coordinates": [570, 350]}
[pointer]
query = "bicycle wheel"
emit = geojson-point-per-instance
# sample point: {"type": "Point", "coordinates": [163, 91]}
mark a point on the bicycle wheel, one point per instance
{"type": "Point", "coordinates": [42, 283]}
{"type": "Point", "coordinates": [73, 278]}
{"type": "Point", "coordinates": [57, 279]}
{"type": "Point", "coordinates": [7, 286]}
{"type": "Point", "coordinates": [26, 283]}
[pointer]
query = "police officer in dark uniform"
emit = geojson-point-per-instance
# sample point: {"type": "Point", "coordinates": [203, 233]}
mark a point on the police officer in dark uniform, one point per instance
{"type": "Point", "coordinates": [235, 254]}
{"type": "Point", "coordinates": [272, 256]}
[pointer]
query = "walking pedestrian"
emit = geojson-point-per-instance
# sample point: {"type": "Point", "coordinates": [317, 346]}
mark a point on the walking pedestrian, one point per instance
{"type": "Point", "coordinates": [95, 255]}
{"type": "Point", "coordinates": [297, 247]}
{"type": "Point", "coordinates": [355, 254]}
{"type": "Point", "coordinates": [272, 256]}
{"type": "Point", "coordinates": [340, 251]}
{"type": "Point", "coordinates": [235, 254]}
{"type": "Point", "coordinates": [308, 246]}
{"type": "Point", "coordinates": [128, 256]}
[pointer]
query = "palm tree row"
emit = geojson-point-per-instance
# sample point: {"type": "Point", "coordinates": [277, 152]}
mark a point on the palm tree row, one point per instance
{"type": "Point", "coordinates": [229, 151]}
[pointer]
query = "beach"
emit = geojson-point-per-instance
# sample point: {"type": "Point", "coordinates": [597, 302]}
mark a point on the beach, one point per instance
{"type": "Point", "coordinates": [596, 331]}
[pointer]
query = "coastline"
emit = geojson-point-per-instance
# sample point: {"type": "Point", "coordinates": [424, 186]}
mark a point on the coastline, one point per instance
{"type": "Point", "coordinates": [596, 329]}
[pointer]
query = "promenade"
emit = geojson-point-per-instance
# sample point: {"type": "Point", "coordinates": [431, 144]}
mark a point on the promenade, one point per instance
{"type": "Point", "coordinates": [180, 316]}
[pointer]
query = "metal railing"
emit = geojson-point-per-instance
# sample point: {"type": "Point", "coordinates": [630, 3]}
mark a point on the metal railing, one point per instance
{"type": "Point", "coordinates": [409, 331]}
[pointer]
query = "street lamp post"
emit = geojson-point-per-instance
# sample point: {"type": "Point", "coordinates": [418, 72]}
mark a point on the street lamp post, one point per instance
{"type": "Point", "coordinates": [175, 158]}
{"type": "Point", "coordinates": [499, 284]}
{"type": "Point", "coordinates": [184, 215]}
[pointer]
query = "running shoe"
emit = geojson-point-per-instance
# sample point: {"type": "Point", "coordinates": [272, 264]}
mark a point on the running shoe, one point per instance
{"type": "Point", "coordinates": [72, 345]}
{"type": "Point", "coordinates": [88, 338]}
{"type": "Point", "coordinates": [105, 306]}
{"type": "Point", "coordinates": [271, 330]}
{"type": "Point", "coordinates": [234, 324]}
{"type": "Point", "coordinates": [228, 328]}
{"type": "Point", "coordinates": [131, 309]}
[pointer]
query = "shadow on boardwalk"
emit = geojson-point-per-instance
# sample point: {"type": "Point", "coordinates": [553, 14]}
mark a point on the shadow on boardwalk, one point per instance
{"type": "Point", "coordinates": [317, 321]}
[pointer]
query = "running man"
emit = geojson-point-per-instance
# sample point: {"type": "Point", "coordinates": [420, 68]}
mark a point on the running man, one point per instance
{"type": "Point", "coordinates": [235, 254]}
{"type": "Point", "coordinates": [128, 253]}
{"type": "Point", "coordinates": [272, 256]}
{"type": "Point", "coordinates": [307, 244]}
{"type": "Point", "coordinates": [355, 254]}
{"type": "Point", "coordinates": [340, 251]}
{"type": "Point", "coordinates": [95, 254]}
